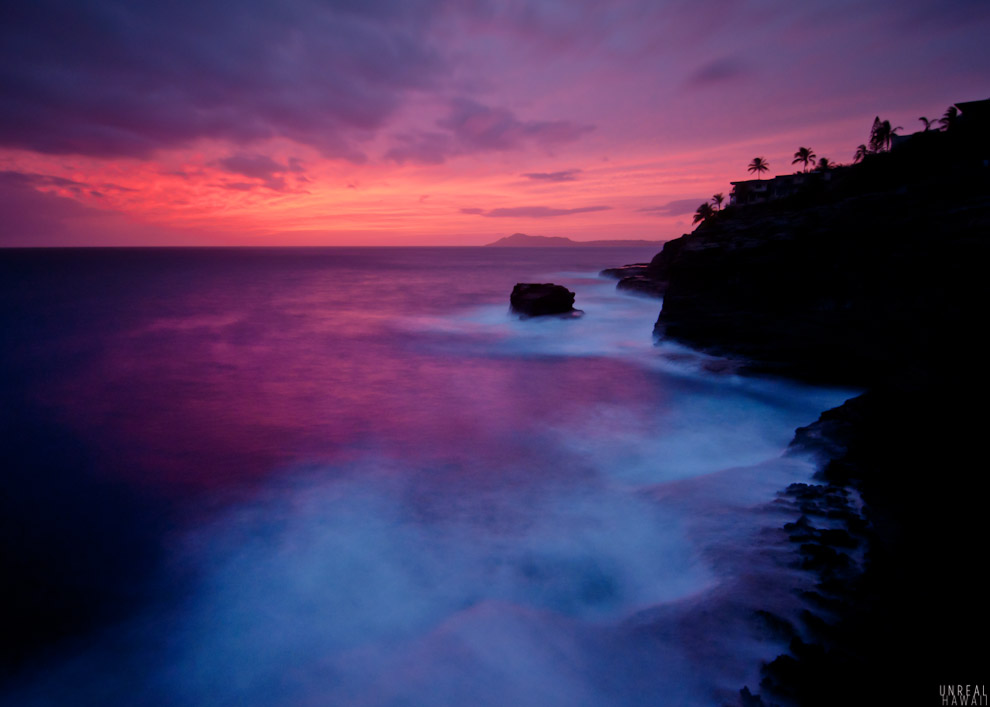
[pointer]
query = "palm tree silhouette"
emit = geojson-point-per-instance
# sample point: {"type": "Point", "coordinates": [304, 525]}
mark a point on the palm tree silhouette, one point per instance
{"type": "Point", "coordinates": [949, 118]}
{"type": "Point", "coordinates": [758, 165]}
{"type": "Point", "coordinates": [704, 211]}
{"type": "Point", "coordinates": [890, 133]}
{"type": "Point", "coordinates": [717, 199]}
{"type": "Point", "coordinates": [824, 164]}
{"type": "Point", "coordinates": [861, 152]}
{"type": "Point", "coordinates": [881, 135]}
{"type": "Point", "coordinates": [876, 138]}
{"type": "Point", "coordinates": [805, 156]}
{"type": "Point", "coordinates": [928, 123]}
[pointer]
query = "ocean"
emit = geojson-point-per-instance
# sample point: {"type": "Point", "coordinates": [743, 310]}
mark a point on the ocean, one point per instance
{"type": "Point", "coordinates": [348, 476]}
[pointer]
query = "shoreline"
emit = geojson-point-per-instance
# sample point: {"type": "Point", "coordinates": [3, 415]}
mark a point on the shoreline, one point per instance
{"type": "Point", "coordinates": [879, 285]}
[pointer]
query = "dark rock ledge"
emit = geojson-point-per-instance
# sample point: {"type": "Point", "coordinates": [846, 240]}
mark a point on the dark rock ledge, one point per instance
{"type": "Point", "coordinates": [892, 530]}
{"type": "Point", "coordinates": [637, 278]}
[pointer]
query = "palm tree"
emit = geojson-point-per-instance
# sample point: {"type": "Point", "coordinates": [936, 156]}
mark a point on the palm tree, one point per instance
{"type": "Point", "coordinates": [758, 165]}
{"type": "Point", "coordinates": [704, 211]}
{"type": "Point", "coordinates": [928, 123]}
{"type": "Point", "coordinates": [876, 136]}
{"type": "Point", "coordinates": [891, 133]}
{"type": "Point", "coordinates": [717, 199]}
{"type": "Point", "coordinates": [881, 135]}
{"type": "Point", "coordinates": [824, 164]}
{"type": "Point", "coordinates": [805, 156]}
{"type": "Point", "coordinates": [861, 152]}
{"type": "Point", "coordinates": [949, 118]}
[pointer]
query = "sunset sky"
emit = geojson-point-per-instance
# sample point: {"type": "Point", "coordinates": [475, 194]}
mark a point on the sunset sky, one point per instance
{"type": "Point", "coordinates": [424, 122]}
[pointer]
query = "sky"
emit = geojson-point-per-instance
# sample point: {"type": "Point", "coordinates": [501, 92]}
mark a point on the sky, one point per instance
{"type": "Point", "coordinates": [433, 122]}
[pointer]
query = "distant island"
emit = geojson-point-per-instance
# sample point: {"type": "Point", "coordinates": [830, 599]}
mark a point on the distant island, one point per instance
{"type": "Point", "coordinates": [521, 240]}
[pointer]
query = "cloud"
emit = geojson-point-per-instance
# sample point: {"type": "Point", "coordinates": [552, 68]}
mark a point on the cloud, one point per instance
{"type": "Point", "coordinates": [41, 180]}
{"type": "Point", "coordinates": [470, 127]}
{"type": "Point", "coordinates": [483, 128]}
{"type": "Point", "coordinates": [567, 175]}
{"type": "Point", "coordinates": [261, 167]}
{"type": "Point", "coordinates": [678, 207]}
{"type": "Point", "coordinates": [37, 181]}
{"type": "Point", "coordinates": [532, 211]}
{"type": "Point", "coordinates": [421, 148]}
{"type": "Point", "coordinates": [718, 71]}
{"type": "Point", "coordinates": [29, 215]}
{"type": "Point", "coordinates": [105, 78]}
{"type": "Point", "coordinates": [32, 217]}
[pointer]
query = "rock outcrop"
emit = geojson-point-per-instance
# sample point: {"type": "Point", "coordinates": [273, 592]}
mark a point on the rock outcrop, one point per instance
{"type": "Point", "coordinates": [530, 299]}
{"type": "Point", "coordinates": [878, 281]}
{"type": "Point", "coordinates": [855, 288]}
{"type": "Point", "coordinates": [637, 278]}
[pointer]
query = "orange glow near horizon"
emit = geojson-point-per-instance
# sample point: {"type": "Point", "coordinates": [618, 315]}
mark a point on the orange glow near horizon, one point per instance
{"type": "Point", "coordinates": [338, 203]}
{"type": "Point", "coordinates": [455, 126]}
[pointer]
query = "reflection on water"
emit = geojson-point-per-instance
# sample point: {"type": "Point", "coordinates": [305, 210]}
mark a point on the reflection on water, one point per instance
{"type": "Point", "coordinates": [383, 489]}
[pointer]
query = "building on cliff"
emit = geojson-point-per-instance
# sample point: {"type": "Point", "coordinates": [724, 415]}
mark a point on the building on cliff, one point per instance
{"type": "Point", "coordinates": [974, 126]}
{"type": "Point", "coordinates": [759, 191]}
{"type": "Point", "coordinates": [964, 145]}
{"type": "Point", "coordinates": [971, 128]}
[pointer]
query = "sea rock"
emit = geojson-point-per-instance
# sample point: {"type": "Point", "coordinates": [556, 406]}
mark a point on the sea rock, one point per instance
{"type": "Point", "coordinates": [531, 299]}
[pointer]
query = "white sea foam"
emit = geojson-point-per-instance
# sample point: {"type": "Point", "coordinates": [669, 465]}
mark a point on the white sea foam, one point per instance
{"type": "Point", "coordinates": [626, 582]}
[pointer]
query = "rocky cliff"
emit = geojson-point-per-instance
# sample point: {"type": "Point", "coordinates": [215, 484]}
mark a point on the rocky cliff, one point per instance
{"type": "Point", "coordinates": [877, 280]}
{"type": "Point", "coordinates": [873, 280]}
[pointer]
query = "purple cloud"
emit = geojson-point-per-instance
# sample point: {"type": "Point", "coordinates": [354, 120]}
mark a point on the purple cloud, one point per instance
{"type": "Point", "coordinates": [678, 207]}
{"type": "Point", "coordinates": [108, 78]}
{"type": "Point", "coordinates": [33, 179]}
{"type": "Point", "coordinates": [421, 148]}
{"type": "Point", "coordinates": [533, 211]}
{"type": "Point", "coordinates": [718, 71]}
{"type": "Point", "coordinates": [37, 181]}
{"type": "Point", "coordinates": [482, 128]}
{"type": "Point", "coordinates": [471, 127]}
{"type": "Point", "coordinates": [567, 175]}
{"type": "Point", "coordinates": [261, 167]}
{"type": "Point", "coordinates": [31, 217]}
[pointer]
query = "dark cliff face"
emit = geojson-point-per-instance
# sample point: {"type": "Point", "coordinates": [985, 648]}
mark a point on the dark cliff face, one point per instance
{"type": "Point", "coordinates": [870, 281]}
{"type": "Point", "coordinates": [878, 280]}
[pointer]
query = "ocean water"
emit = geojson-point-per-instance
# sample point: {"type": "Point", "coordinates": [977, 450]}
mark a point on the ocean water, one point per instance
{"type": "Point", "coordinates": [348, 476]}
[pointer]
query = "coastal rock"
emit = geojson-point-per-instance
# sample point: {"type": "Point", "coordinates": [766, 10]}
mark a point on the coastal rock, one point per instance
{"type": "Point", "coordinates": [835, 291]}
{"type": "Point", "coordinates": [531, 299]}
{"type": "Point", "coordinates": [877, 282]}
{"type": "Point", "coordinates": [623, 271]}
{"type": "Point", "coordinates": [642, 285]}
{"type": "Point", "coordinates": [640, 278]}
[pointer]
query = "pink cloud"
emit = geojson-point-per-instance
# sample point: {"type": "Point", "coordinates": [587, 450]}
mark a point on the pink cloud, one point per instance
{"type": "Point", "coordinates": [567, 175]}
{"type": "Point", "coordinates": [533, 211]}
{"type": "Point", "coordinates": [33, 217]}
